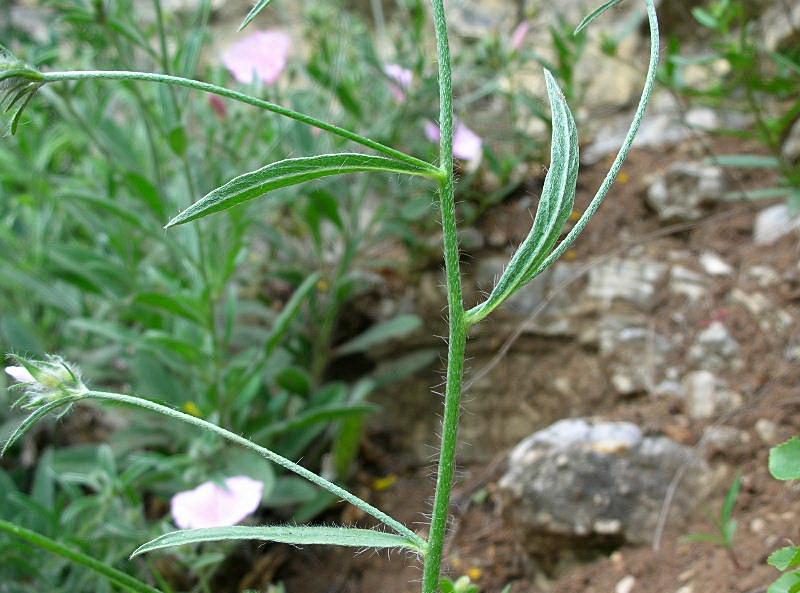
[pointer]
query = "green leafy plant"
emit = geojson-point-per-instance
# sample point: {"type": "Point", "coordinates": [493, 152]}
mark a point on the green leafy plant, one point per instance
{"type": "Point", "coordinates": [757, 83]}
{"type": "Point", "coordinates": [784, 464]}
{"type": "Point", "coordinates": [726, 525]}
{"type": "Point", "coordinates": [52, 385]}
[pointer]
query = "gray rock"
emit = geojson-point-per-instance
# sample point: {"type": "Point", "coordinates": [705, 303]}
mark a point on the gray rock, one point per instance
{"type": "Point", "coordinates": [636, 281]}
{"type": "Point", "coordinates": [768, 431]}
{"type": "Point", "coordinates": [631, 351]}
{"type": "Point", "coordinates": [522, 302]}
{"type": "Point", "coordinates": [770, 317]}
{"type": "Point", "coordinates": [791, 147]}
{"type": "Point", "coordinates": [688, 283]}
{"type": "Point", "coordinates": [780, 25]}
{"type": "Point", "coordinates": [708, 397]}
{"type": "Point", "coordinates": [715, 349]}
{"type": "Point", "coordinates": [472, 19]}
{"type": "Point", "coordinates": [774, 223]}
{"type": "Point", "coordinates": [725, 440]}
{"type": "Point", "coordinates": [682, 192]}
{"type": "Point", "coordinates": [665, 124]}
{"type": "Point", "coordinates": [580, 483]}
{"type": "Point", "coordinates": [714, 265]}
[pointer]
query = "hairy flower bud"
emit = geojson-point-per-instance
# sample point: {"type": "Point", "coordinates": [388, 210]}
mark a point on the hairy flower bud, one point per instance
{"type": "Point", "coordinates": [45, 381]}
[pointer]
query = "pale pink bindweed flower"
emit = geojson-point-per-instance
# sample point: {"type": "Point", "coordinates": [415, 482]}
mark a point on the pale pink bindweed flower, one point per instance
{"type": "Point", "coordinates": [467, 145]}
{"type": "Point", "coordinates": [261, 56]}
{"type": "Point", "coordinates": [217, 505]}
{"type": "Point", "coordinates": [519, 34]}
{"type": "Point", "coordinates": [20, 374]}
{"type": "Point", "coordinates": [401, 80]}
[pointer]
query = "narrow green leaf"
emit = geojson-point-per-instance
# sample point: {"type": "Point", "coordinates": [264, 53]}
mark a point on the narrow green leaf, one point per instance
{"type": "Point", "coordinates": [289, 172]}
{"type": "Point", "coordinates": [555, 206]}
{"type": "Point", "coordinates": [705, 18]}
{"type": "Point", "coordinates": [289, 312]}
{"type": "Point", "coordinates": [175, 305]}
{"type": "Point", "coordinates": [259, 6]}
{"type": "Point", "coordinates": [785, 558]}
{"type": "Point", "coordinates": [595, 14]}
{"type": "Point", "coordinates": [286, 534]}
{"type": "Point", "coordinates": [730, 501]}
{"type": "Point", "coordinates": [33, 418]}
{"type": "Point", "coordinates": [746, 161]}
{"type": "Point", "coordinates": [788, 583]}
{"type": "Point", "coordinates": [394, 328]}
{"type": "Point", "coordinates": [115, 576]}
{"type": "Point", "coordinates": [320, 415]}
{"type": "Point", "coordinates": [784, 460]}
{"type": "Point", "coordinates": [763, 193]}
{"type": "Point", "coordinates": [786, 62]}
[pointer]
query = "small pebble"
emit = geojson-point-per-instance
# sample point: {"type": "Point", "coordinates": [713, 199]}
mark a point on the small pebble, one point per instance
{"type": "Point", "coordinates": [625, 585]}
{"type": "Point", "coordinates": [767, 431]}
{"type": "Point", "coordinates": [758, 525]}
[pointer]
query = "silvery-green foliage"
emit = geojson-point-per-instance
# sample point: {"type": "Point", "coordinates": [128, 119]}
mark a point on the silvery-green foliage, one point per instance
{"type": "Point", "coordinates": [536, 253]}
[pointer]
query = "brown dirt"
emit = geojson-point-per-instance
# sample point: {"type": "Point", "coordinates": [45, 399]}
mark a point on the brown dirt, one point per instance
{"type": "Point", "coordinates": [482, 545]}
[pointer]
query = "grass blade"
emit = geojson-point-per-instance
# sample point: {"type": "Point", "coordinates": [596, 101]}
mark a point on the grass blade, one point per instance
{"type": "Point", "coordinates": [121, 579]}
{"type": "Point", "coordinates": [394, 328]}
{"type": "Point", "coordinates": [286, 173]}
{"type": "Point", "coordinates": [289, 312]}
{"type": "Point", "coordinates": [259, 6]}
{"type": "Point", "coordinates": [32, 419]}
{"type": "Point", "coordinates": [555, 206]}
{"type": "Point", "coordinates": [594, 15]}
{"type": "Point", "coordinates": [286, 534]}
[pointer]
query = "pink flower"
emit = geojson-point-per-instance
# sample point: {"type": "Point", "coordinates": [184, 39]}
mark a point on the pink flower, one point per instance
{"type": "Point", "coordinates": [519, 34]}
{"type": "Point", "coordinates": [215, 505]}
{"type": "Point", "coordinates": [20, 374]}
{"type": "Point", "coordinates": [261, 56]}
{"type": "Point", "coordinates": [401, 79]}
{"type": "Point", "coordinates": [467, 145]}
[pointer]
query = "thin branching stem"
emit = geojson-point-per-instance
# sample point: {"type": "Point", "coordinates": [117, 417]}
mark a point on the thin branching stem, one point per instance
{"type": "Point", "coordinates": [456, 314]}
{"type": "Point", "coordinates": [266, 454]}
{"type": "Point", "coordinates": [242, 98]}
{"type": "Point", "coordinates": [478, 312]}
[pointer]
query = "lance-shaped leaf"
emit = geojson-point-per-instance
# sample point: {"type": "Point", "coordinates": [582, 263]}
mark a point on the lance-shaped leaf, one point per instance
{"type": "Point", "coordinates": [290, 172]}
{"type": "Point", "coordinates": [555, 206]}
{"type": "Point", "coordinates": [285, 534]}
{"type": "Point", "coordinates": [258, 7]}
{"type": "Point", "coordinates": [595, 14]}
{"type": "Point", "coordinates": [289, 312]}
{"type": "Point", "coordinates": [33, 418]}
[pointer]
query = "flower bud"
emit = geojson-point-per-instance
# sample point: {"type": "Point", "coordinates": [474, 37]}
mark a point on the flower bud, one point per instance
{"type": "Point", "coordinates": [44, 381]}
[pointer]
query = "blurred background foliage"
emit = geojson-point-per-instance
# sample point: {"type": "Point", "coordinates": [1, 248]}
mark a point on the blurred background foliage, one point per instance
{"type": "Point", "coordinates": [246, 318]}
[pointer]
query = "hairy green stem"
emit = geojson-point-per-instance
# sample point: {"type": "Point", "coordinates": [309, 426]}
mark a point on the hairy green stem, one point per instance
{"type": "Point", "coordinates": [112, 574]}
{"type": "Point", "coordinates": [236, 96]}
{"type": "Point", "coordinates": [266, 454]}
{"type": "Point", "coordinates": [627, 144]}
{"type": "Point", "coordinates": [456, 316]}
{"type": "Point", "coordinates": [479, 312]}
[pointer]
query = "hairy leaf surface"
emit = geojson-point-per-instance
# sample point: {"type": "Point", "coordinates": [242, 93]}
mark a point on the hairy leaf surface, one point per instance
{"type": "Point", "coordinates": [289, 172]}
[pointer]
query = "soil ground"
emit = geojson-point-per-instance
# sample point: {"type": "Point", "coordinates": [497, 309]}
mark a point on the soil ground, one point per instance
{"type": "Point", "coordinates": [483, 546]}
